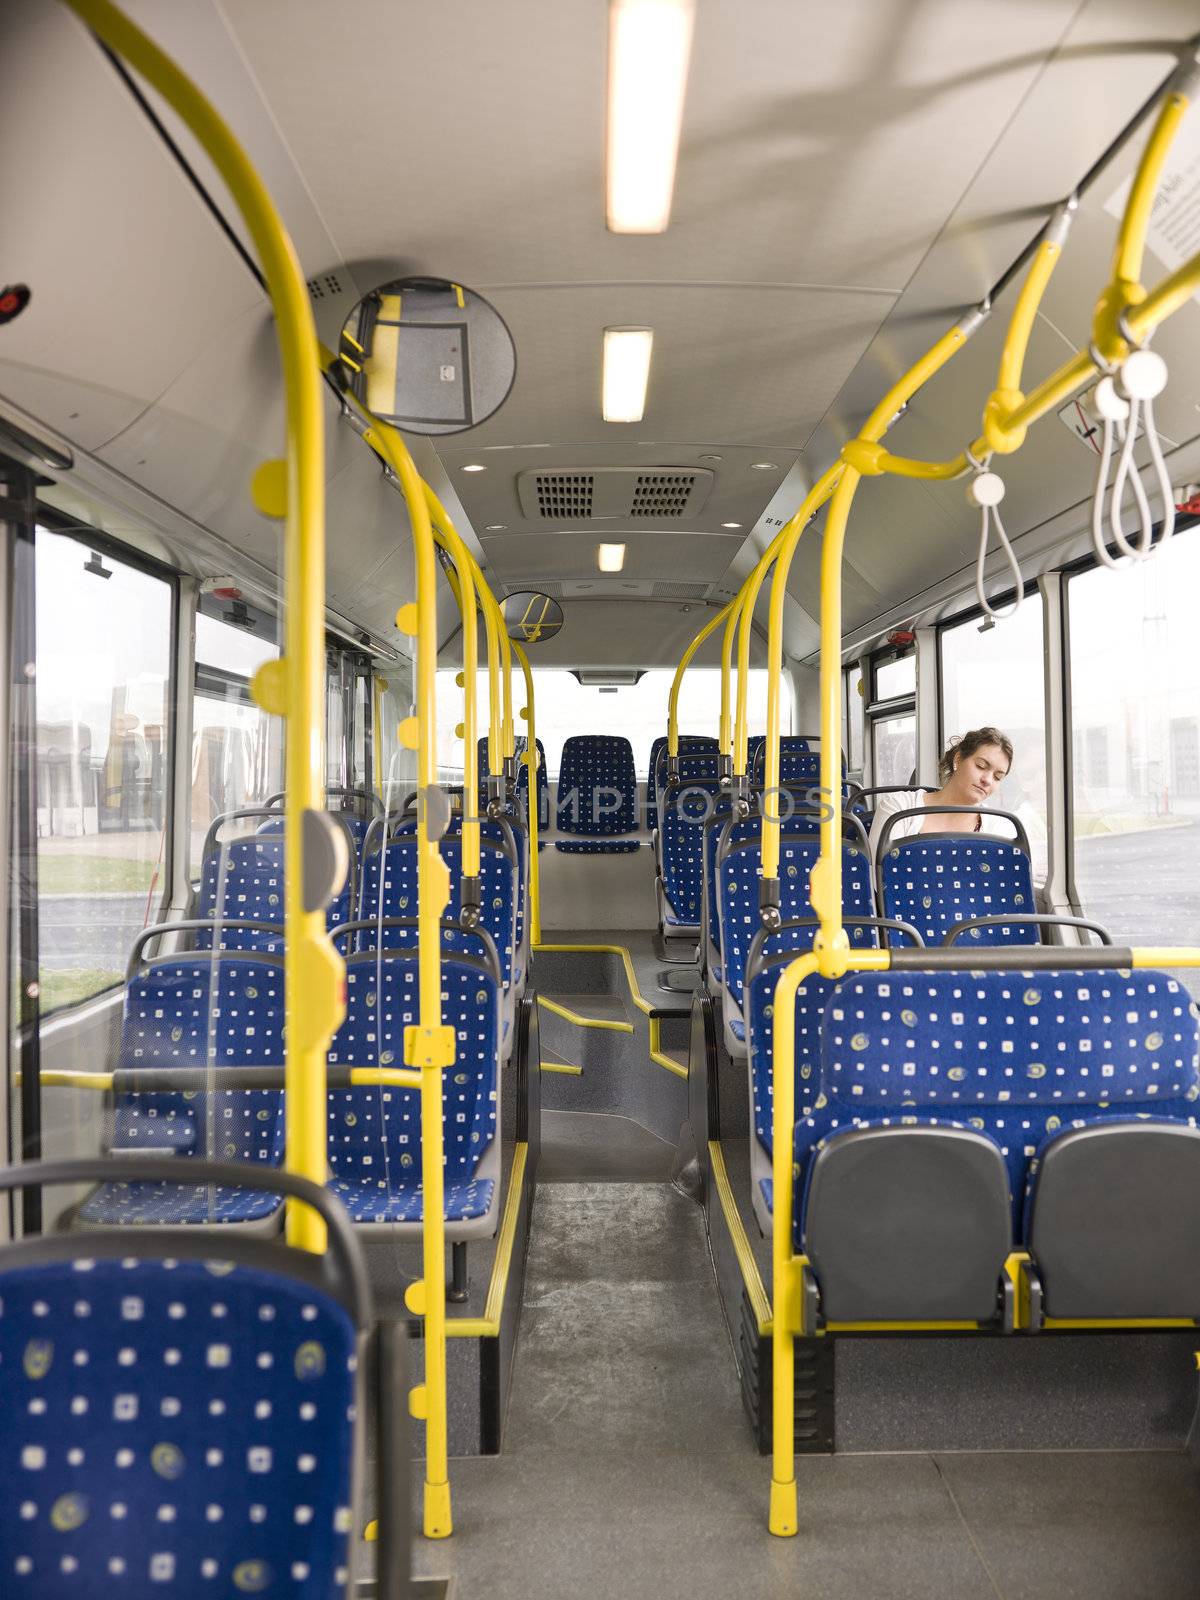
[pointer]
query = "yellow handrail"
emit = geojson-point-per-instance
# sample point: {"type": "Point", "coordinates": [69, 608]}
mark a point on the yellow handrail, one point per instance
{"type": "Point", "coordinates": [378, 690]}
{"type": "Point", "coordinates": [725, 727]}
{"type": "Point", "coordinates": [532, 819]}
{"type": "Point", "coordinates": [709, 627]}
{"type": "Point", "coordinates": [448, 538]}
{"type": "Point", "coordinates": [294, 687]}
{"type": "Point", "coordinates": [429, 1044]}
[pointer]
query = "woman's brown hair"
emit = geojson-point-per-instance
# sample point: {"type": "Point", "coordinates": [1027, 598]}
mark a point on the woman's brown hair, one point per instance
{"type": "Point", "coordinates": [967, 744]}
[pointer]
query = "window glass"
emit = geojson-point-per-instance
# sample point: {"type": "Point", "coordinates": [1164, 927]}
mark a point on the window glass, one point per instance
{"type": "Point", "coordinates": [896, 677]}
{"type": "Point", "coordinates": [360, 778]}
{"type": "Point", "coordinates": [396, 767]}
{"type": "Point", "coordinates": [1135, 715]}
{"type": "Point", "coordinates": [237, 748]}
{"type": "Point", "coordinates": [894, 748]}
{"type": "Point", "coordinates": [564, 706]}
{"type": "Point", "coordinates": [854, 719]}
{"type": "Point", "coordinates": [995, 676]}
{"type": "Point", "coordinates": [102, 758]}
{"type": "Point", "coordinates": [336, 686]}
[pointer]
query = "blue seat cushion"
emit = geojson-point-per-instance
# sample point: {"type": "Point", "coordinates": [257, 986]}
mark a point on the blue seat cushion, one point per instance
{"type": "Point", "coordinates": [374, 1201]}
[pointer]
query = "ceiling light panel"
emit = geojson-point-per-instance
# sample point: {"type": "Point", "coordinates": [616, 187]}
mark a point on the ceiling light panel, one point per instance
{"type": "Point", "coordinates": [610, 557]}
{"type": "Point", "coordinates": [626, 373]}
{"type": "Point", "coordinates": [649, 42]}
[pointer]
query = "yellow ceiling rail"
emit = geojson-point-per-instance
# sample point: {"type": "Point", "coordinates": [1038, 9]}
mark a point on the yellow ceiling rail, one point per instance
{"type": "Point", "coordinates": [709, 628]}
{"type": "Point", "coordinates": [293, 687]}
{"type": "Point", "coordinates": [532, 820]}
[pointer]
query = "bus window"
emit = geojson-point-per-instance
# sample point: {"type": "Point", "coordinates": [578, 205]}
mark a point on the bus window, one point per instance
{"type": "Point", "coordinates": [237, 748]}
{"type": "Point", "coordinates": [1135, 755]}
{"type": "Point", "coordinates": [103, 685]}
{"type": "Point", "coordinates": [855, 717]}
{"type": "Point", "coordinates": [994, 675]}
{"type": "Point", "coordinates": [893, 748]}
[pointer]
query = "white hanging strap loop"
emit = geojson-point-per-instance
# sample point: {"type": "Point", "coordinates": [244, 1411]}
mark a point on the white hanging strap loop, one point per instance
{"type": "Point", "coordinates": [1124, 399]}
{"type": "Point", "coordinates": [986, 490]}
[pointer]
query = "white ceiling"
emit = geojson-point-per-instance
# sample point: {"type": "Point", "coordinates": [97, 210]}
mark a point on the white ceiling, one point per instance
{"type": "Point", "coordinates": [850, 178]}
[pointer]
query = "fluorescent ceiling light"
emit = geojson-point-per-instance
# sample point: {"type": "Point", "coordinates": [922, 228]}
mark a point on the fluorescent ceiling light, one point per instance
{"type": "Point", "coordinates": [648, 46]}
{"type": "Point", "coordinates": [731, 524]}
{"type": "Point", "coordinates": [610, 557]}
{"type": "Point", "coordinates": [626, 373]}
{"type": "Point", "coordinates": [475, 466]}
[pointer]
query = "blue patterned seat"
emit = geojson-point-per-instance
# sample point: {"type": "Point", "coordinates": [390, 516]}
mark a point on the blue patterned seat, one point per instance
{"type": "Point", "coordinates": [389, 891]}
{"type": "Point", "coordinates": [937, 880]}
{"type": "Point", "coordinates": [176, 1425]}
{"type": "Point", "coordinates": [656, 772]}
{"type": "Point", "coordinates": [243, 880]}
{"type": "Point", "coordinates": [1021, 1057]}
{"type": "Point", "coordinates": [597, 796]}
{"type": "Point", "coordinates": [543, 787]}
{"type": "Point", "coordinates": [740, 875]}
{"type": "Point", "coordinates": [198, 1010]}
{"type": "Point", "coordinates": [685, 811]}
{"type": "Point", "coordinates": [714, 836]}
{"type": "Point", "coordinates": [375, 1133]}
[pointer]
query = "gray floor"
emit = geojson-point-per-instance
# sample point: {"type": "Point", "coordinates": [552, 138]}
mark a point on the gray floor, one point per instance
{"type": "Point", "coordinates": [628, 1469]}
{"type": "Point", "coordinates": [593, 1147]}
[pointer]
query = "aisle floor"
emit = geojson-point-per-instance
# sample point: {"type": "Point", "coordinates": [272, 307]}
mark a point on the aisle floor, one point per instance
{"type": "Point", "coordinates": [628, 1471]}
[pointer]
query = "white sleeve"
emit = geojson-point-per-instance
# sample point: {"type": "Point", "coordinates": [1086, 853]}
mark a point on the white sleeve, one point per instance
{"type": "Point", "coordinates": [889, 805]}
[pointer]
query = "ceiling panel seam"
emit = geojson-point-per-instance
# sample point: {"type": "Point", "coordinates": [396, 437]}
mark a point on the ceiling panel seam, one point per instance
{"type": "Point", "coordinates": [694, 283]}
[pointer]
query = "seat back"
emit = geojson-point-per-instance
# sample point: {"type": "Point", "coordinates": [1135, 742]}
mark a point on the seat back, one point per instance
{"type": "Point", "coordinates": [243, 880]}
{"type": "Point", "coordinates": [389, 891]}
{"type": "Point", "coordinates": [1016, 1055]}
{"type": "Point", "coordinates": [597, 793]}
{"type": "Point", "coordinates": [374, 1132]}
{"type": "Point", "coordinates": [685, 811]}
{"type": "Point", "coordinates": [935, 880]}
{"type": "Point", "coordinates": [656, 772]}
{"type": "Point", "coordinates": [176, 1423]}
{"type": "Point", "coordinates": [202, 1010]}
{"type": "Point", "coordinates": [740, 874]}
{"type": "Point", "coordinates": [543, 784]}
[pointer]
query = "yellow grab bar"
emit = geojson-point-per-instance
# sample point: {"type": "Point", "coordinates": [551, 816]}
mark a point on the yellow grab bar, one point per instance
{"type": "Point", "coordinates": [294, 687]}
{"type": "Point", "coordinates": [532, 819]}
{"type": "Point", "coordinates": [709, 627]}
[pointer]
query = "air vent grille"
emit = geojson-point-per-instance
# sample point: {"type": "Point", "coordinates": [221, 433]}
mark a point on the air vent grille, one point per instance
{"type": "Point", "coordinates": [328, 283]}
{"type": "Point", "coordinates": [567, 495]}
{"type": "Point", "coordinates": [662, 494]}
{"type": "Point", "coordinates": [641, 495]}
{"type": "Point", "coordinates": [679, 591]}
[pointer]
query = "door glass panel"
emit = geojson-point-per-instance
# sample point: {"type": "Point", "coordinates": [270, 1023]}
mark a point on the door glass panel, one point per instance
{"type": "Point", "coordinates": [894, 748]}
{"type": "Point", "coordinates": [103, 680]}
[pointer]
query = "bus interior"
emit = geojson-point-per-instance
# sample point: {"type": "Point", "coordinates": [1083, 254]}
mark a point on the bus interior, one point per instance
{"type": "Point", "coordinates": [602, 766]}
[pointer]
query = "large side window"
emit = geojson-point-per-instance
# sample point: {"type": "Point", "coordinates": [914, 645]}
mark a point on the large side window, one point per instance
{"type": "Point", "coordinates": [891, 715]}
{"type": "Point", "coordinates": [1135, 745]}
{"type": "Point", "coordinates": [855, 717]}
{"type": "Point", "coordinates": [992, 676]}
{"type": "Point", "coordinates": [102, 756]}
{"type": "Point", "coordinates": [237, 748]}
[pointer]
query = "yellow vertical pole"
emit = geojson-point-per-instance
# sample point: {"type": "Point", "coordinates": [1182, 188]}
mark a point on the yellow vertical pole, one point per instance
{"type": "Point", "coordinates": [430, 1044]}
{"type": "Point", "coordinates": [531, 768]}
{"type": "Point", "coordinates": [493, 619]}
{"type": "Point", "coordinates": [451, 542]}
{"type": "Point", "coordinates": [725, 727]}
{"type": "Point", "coordinates": [294, 687]}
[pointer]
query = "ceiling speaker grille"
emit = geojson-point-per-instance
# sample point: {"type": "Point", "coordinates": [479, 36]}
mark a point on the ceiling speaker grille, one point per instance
{"type": "Point", "coordinates": [662, 494]}
{"type": "Point", "coordinates": [327, 283]}
{"type": "Point", "coordinates": [564, 494]}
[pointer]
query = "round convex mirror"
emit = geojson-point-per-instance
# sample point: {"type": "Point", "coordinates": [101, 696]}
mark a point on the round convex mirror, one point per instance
{"type": "Point", "coordinates": [427, 355]}
{"type": "Point", "coordinates": [531, 617]}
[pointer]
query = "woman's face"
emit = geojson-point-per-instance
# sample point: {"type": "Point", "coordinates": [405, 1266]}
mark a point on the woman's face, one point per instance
{"type": "Point", "coordinates": [978, 776]}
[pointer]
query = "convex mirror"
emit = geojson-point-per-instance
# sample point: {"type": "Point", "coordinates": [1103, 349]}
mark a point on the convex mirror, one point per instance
{"type": "Point", "coordinates": [531, 618]}
{"type": "Point", "coordinates": [427, 355]}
